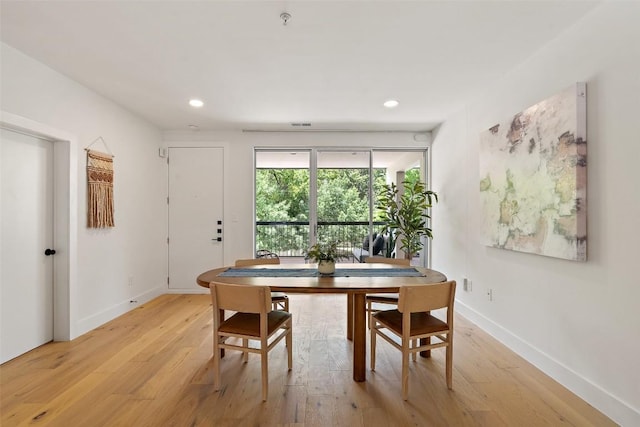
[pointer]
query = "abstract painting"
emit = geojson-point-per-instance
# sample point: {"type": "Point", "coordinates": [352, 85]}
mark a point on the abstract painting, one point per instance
{"type": "Point", "coordinates": [533, 176]}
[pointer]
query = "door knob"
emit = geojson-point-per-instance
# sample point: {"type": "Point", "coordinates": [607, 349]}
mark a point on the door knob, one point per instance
{"type": "Point", "coordinates": [50, 252]}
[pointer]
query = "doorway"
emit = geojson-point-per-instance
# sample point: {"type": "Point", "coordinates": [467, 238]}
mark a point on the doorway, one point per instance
{"type": "Point", "coordinates": [65, 218]}
{"type": "Point", "coordinates": [196, 238]}
{"type": "Point", "coordinates": [26, 198]}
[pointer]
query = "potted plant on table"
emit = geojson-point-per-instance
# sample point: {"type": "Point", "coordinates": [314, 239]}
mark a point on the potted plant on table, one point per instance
{"type": "Point", "coordinates": [326, 255]}
{"type": "Point", "coordinates": [406, 217]}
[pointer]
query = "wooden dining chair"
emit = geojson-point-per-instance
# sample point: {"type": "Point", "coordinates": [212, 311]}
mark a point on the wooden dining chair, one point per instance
{"type": "Point", "coordinates": [254, 320]}
{"type": "Point", "coordinates": [389, 299]}
{"type": "Point", "coordinates": [280, 300]}
{"type": "Point", "coordinates": [416, 327]}
{"type": "Point", "coordinates": [382, 260]}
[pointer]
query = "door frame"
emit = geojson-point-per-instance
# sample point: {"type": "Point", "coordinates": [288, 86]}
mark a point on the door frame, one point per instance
{"type": "Point", "coordinates": [65, 221]}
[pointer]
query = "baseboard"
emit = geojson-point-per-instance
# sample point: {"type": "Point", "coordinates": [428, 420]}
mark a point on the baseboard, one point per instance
{"type": "Point", "coordinates": [187, 291]}
{"type": "Point", "coordinates": [616, 409]}
{"type": "Point", "coordinates": [95, 320]}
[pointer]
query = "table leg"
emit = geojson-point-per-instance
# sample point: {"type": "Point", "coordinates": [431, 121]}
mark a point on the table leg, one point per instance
{"type": "Point", "coordinates": [425, 341]}
{"type": "Point", "coordinates": [350, 317]}
{"type": "Point", "coordinates": [359, 338]}
{"type": "Point", "coordinates": [221, 317]}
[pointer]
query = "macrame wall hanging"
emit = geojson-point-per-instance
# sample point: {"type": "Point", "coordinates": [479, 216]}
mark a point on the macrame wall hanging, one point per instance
{"type": "Point", "coordinates": [99, 187]}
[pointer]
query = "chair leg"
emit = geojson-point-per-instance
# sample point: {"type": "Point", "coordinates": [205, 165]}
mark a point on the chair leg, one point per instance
{"type": "Point", "coordinates": [216, 363]}
{"type": "Point", "coordinates": [265, 371]}
{"type": "Point", "coordinates": [373, 345]}
{"type": "Point", "coordinates": [405, 375]}
{"type": "Point", "coordinates": [369, 313]}
{"type": "Point", "coordinates": [281, 305]}
{"type": "Point", "coordinates": [449, 364]}
{"type": "Point", "coordinates": [414, 345]}
{"type": "Point", "coordinates": [289, 342]}
{"type": "Point", "coordinates": [245, 354]}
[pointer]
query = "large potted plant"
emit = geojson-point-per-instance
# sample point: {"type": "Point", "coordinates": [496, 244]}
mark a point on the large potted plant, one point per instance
{"type": "Point", "coordinates": [326, 255]}
{"type": "Point", "coordinates": [406, 217]}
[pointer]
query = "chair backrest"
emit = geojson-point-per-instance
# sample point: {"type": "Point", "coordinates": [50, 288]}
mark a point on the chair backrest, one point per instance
{"type": "Point", "coordinates": [415, 298]}
{"type": "Point", "coordinates": [263, 253]}
{"type": "Point", "coordinates": [383, 260]}
{"type": "Point", "coordinates": [256, 261]}
{"type": "Point", "coordinates": [242, 298]}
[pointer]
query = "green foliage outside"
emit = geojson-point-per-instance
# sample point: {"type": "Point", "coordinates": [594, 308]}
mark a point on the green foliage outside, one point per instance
{"type": "Point", "coordinates": [283, 195]}
{"type": "Point", "coordinates": [411, 176]}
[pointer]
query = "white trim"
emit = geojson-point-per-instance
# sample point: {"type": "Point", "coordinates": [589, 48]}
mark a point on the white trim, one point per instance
{"type": "Point", "coordinates": [65, 153]}
{"type": "Point", "coordinates": [618, 410]}
{"type": "Point", "coordinates": [202, 290]}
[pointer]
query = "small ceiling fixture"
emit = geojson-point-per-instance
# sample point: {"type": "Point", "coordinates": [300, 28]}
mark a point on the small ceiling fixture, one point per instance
{"type": "Point", "coordinates": [285, 16]}
{"type": "Point", "coordinates": [196, 103]}
{"type": "Point", "coordinates": [193, 127]}
{"type": "Point", "coordinates": [391, 103]}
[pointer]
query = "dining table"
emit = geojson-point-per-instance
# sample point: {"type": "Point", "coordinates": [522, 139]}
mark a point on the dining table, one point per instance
{"type": "Point", "coordinates": [354, 280]}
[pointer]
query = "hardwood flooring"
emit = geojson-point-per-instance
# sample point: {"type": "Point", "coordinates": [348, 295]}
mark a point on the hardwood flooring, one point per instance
{"type": "Point", "coordinates": [152, 367]}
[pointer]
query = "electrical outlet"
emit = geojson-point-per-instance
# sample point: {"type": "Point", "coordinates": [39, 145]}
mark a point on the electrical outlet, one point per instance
{"type": "Point", "coordinates": [490, 294]}
{"type": "Point", "coordinates": [466, 284]}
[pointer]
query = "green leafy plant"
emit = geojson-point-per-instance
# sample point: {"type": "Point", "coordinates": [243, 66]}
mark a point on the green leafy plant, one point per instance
{"type": "Point", "coordinates": [406, 217]}
{"type": "Point", "coordinates": [325, 252]}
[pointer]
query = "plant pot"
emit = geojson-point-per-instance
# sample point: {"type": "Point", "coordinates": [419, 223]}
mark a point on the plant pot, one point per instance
{"type": "Point", "coordinates": [326, 267]}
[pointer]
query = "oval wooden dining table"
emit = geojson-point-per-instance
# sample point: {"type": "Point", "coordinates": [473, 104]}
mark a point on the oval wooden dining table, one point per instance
{"type": "Point", "coordinates": [355, 286]}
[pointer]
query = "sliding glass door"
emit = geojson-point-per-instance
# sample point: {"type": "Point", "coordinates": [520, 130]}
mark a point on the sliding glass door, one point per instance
{"type": "Point", "coordinates": [400, 166]}
{"type": "Point", "coordinates": [318, 195]}
{"type": "Point", "coordinates": [282, 202]}
{"type": "Point", "coordinates": [343, 199]}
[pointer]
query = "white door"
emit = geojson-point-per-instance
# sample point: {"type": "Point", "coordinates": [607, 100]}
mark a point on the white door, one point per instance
{"type": "Point", "coordinates": [195, 214]}
{"type": "Point", "coordinates": [26, 200]}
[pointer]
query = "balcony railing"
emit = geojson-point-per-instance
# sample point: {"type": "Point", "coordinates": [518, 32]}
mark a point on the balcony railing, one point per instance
{"type": "Point", "coordinates": [291, 238]}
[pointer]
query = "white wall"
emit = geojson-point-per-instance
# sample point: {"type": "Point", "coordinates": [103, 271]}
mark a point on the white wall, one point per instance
{"type": "Point", "coordinates": [579, 322]}
{"type": "Point", "coordinates": [136, 247]}
{"type": "Point", "coordinates": [238, 179]}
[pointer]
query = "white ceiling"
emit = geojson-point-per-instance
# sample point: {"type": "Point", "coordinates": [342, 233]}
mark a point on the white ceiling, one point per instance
{"type": "Point", "coordinates": [332, 65]}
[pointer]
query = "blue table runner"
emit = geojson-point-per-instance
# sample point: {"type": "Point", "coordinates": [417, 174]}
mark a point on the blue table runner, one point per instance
{"type": "Point", "coordinates": [312, 272]}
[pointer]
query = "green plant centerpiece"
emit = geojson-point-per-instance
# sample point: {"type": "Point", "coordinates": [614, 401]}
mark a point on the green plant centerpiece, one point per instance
{"type": "Point", "coordinates": [406, 217]}
{"type": "Point", "coordinates": [326, 255]}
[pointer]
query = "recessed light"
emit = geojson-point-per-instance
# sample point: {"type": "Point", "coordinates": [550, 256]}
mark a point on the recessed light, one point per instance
{"type": "Point", "coordinates": [391, 103]}
{"type": "Point", "coordinates": [196, 103]}
{"type": "Point", "coordinates": [193, 127]}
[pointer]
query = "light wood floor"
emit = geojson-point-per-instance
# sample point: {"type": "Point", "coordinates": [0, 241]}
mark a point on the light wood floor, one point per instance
{"type": "Point", "coordinates": [152, 367]}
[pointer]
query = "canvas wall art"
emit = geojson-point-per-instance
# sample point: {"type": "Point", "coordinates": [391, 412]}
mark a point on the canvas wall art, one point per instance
{"type": "Point", "coordinates": [533, 176]}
